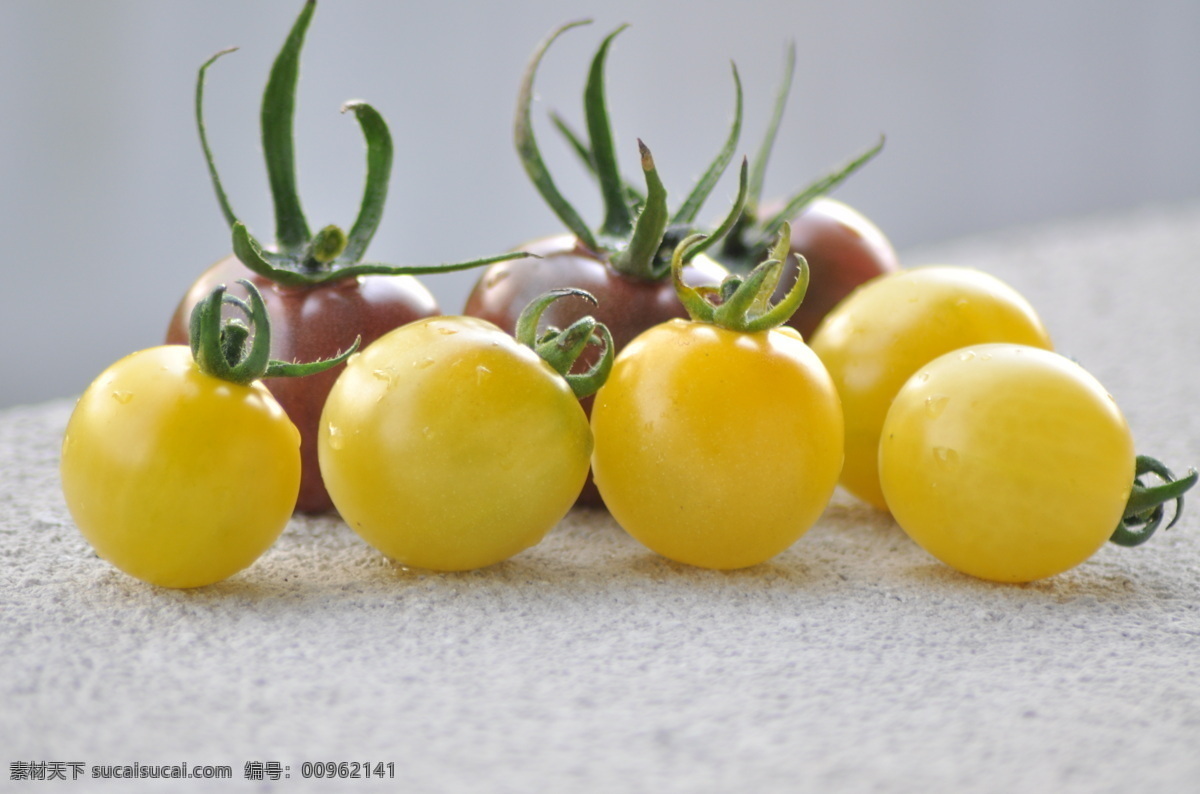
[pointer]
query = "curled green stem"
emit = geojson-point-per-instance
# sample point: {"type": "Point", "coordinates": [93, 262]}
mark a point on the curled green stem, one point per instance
{"type": "Point", "coordinates": [561, 349]}
{"type": "Point", "coordinates": [379, 171]}
{"type": "Point", "coordinates": [758, 173]}
{"type": "Point", "coordinates": [531, 156]}
{"type": "Point", "coordinates": [222, 198]}
{"type": "Point", "coordinates": [277, 117]}
{"type": "Point", "coordinates": [252, 255]}
{"type": "Point", "coordinates": [1146, 508]}
{"type": "Point", "coordinates": [742, 303]}
{"type": "Point", "coordinates": [238, 350]}
{"type": "Point", "coordinates": [618, 220]}
{"type": "Point", "coordinates": [303, 259]}
{"type": "Point", "coordinates": [686, 214]}
{"type": "Point", "coordinates": [731, 219]}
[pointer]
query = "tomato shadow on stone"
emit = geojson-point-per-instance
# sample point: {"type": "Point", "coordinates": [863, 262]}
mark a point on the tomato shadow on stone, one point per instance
{"type": "Point", "coordinates": [1090, 580]}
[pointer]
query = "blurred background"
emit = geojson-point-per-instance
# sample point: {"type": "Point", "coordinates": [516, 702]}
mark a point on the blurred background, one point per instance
{"type": "Point", "coordinates": [996, 114]}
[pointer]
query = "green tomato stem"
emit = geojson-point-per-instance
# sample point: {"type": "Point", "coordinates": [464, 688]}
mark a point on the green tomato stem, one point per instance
{"type": "Point", "coordinates": [562, 349]}
{"type": "Point", "coordinates": [531, 156]}
{"type": "Point", "coordinates": [219, 347]}
{"type": "Point", "coordinates": [742, 304]}
{"type": "Point", "coordinates": [1145, 510]}
{"type": "Point", "coordinates": [304, 260]}
{"type": "Point", "coordinates": [686, 214]}
{"type": "Point", "coordinates": [222, 198]}
{"type": "Point", "coordinates": [618, 221]}
{"type": "Point", "coordinates": [252, 255]}
{"type": "Point", "coordinates": [820, 187]}
{"type": "Point", "coordinates": [759, 170]}
{"type": "Point", "coordinates": [324, 248]}
{"type": "Point", "coordinates": [633, 196]}
{"type": "Point", "coordinates": [277, 118]}
{"type": "Point", "coordinates": [731, 219]}
{"type": "Point", "coordinates": [379, 171]}
{"type": "Point", "coordinates": [638, 259]}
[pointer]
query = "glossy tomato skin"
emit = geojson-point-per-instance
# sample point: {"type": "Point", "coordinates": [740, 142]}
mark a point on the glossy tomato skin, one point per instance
{"type": "Point", "coordinates": [627, 305]}
{"type": "Point", "coordinates": [843, 248]}
{"type": "Point", "coordinates": [1006, 462]}
{"type": "Point", "coordinates": [717, 448]}
{"type": "Point", "coordinates": [309, 324]}
{"type": "Point", "coordinates": [873, 341]}
{"type": "Point", "coordinates": [176, 477]}
{"type": "Point", "coordinates": [447, 445]}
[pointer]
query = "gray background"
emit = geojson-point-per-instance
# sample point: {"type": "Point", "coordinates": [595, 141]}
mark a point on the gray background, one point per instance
{"type": "Point", "coordinates": [996, 114]}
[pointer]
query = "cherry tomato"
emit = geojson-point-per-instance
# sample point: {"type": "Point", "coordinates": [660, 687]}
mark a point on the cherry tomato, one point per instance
{"type": "Point", "coordinates": [718, 439]}
{"type": "Point", "coordinates": [176, 477]}
{"type": "Point", "coordinates": [448, 445]}
{"type": "Point", "coordinates": [873, 341]}
{"type": "Point", "coordinates": [1006, 462]}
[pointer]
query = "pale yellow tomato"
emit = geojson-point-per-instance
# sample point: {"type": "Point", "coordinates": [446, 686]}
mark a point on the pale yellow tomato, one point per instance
{"type": "Point", "coordinates": [448, 445]}
{"type": "Point", "coordinates": [873, 341]}
{"type": "Point", "coordinates": [1006, 462]}
{"type": "Point", "coordinates": [176, 477]}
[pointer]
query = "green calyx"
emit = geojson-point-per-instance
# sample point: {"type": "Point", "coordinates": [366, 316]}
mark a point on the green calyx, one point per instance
{"type": "Point", "coordinates": [635, 223]}
{"type": "Point", "coordinates": [743, 303]}
{"type": "Point", "coordinates": [561, 349]}
{"type": "Point", "coordinates": [304, 259]}
{"type": "Point", "coordinates": [238, 351]}
{"type": "Point", "coordinates": [753, 235]}
{"type": "Point", "coordinates": [1146, 508]}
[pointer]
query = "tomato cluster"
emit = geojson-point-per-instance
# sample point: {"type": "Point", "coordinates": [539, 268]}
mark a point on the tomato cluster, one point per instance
{"type": "Point", "coordinates": [667, 362]}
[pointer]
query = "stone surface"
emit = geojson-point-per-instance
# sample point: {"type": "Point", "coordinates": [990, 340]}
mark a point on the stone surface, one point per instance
{"type": "Point", "coordinates": [851, 662]}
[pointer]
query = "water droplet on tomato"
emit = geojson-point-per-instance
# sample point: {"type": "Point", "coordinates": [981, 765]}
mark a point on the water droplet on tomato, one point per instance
{"type": "Point", "coordinates": [123, 397]}
{"type": "Point", "coordinates": [935, 404]}
{"type": "Point", "coordinates": [966, 355]}
{"type": "Point", "coordinates": [481, 373]}
{"type": "Point", "coordinates": [386, 375]}
{"type": "Point", "coordinates": [336, 439]}
{"type": "Point", "coordinates": [923, 377]}
{"type": "Point", "coordinates": [946, 457]}
{"type": "Point", "coordinates": [423, 363]}
{"type": "Point", "coordinates": [445, 330]}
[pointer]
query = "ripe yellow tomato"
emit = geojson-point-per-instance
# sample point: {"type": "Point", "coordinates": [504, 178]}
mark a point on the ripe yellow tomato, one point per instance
{"type": "Point", "coordinates": [714, 447]}
{"type": "Point", "coordinates": [876, 339]}
{"type": "Point", "coordinates": [176, 477]}
{"type": "Point", "coordinates": [1007, 462]}
{"type": "Point", "coordinates": [448, 445]}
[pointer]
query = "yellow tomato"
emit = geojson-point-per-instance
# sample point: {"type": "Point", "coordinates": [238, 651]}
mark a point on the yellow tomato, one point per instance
{"type": "Point", "coordinates": [176, 477]}
{"type": "Point", "coordinates": [448, 445]}
{"type": "Point", "coordinates": [714, 447]}
{"type": "Point", "coordinates": [1007, 462]}
{"type": "Point", "coordinates": [874, 340]}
